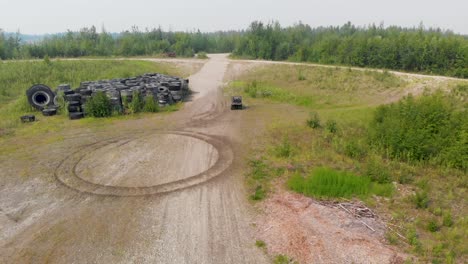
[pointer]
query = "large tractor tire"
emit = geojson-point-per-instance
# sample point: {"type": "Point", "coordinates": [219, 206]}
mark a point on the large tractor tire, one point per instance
{"type": "Point", "coordinates": [40, 96]}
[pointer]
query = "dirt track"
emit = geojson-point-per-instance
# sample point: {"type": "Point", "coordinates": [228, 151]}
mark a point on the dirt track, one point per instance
{"type": "Point", "coordinates": [119, 200]}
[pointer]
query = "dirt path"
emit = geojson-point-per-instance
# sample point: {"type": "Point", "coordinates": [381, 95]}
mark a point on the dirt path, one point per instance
{"type": "Point", "coordinates": [159, 190]}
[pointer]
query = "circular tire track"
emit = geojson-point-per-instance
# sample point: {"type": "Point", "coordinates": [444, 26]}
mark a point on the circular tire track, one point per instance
{"type": "Point", "coordinates": [66, 170]}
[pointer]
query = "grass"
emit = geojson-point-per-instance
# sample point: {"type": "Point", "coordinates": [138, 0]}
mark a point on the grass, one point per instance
{"type": "Point", "coordinates": [17, 76]}
{"type": "Point", "coordinates": [325, 125]}
{"type": "Point", "coordinates": [328, 183]}
{"type": "Point", "coordinates": [318, 87]}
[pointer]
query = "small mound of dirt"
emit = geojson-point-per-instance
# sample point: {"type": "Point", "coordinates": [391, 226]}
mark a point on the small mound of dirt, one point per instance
{"type": "Point", "coordinates": [312, 232]}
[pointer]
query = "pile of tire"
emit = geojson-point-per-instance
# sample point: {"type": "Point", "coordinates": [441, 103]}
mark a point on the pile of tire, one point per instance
{"type": "Point", "coordinates": [164, 89]}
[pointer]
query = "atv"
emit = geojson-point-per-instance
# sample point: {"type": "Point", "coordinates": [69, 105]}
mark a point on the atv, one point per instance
{"type": "Point", "coordinates": [236, 103]}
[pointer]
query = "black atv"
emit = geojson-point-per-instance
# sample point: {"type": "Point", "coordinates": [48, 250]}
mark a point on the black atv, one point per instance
{"type": "Point", "coordinates": [236, 103]}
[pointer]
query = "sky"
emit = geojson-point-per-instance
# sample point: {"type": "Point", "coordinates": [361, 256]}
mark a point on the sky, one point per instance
{"type": "Point", "coordinates": [52, 16]}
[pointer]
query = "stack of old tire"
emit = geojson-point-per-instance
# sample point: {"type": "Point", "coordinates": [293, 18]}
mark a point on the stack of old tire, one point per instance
{"type": "Point", "coordinates": [74, 101]}
{"type": "Point", "coordinates": [164, 89]}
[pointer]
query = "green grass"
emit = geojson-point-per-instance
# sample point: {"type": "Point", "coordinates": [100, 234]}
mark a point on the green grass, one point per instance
{"type": "Point", "coordinates": [328, 183]}
{"type": "Point", "coordinates": [17, 76]}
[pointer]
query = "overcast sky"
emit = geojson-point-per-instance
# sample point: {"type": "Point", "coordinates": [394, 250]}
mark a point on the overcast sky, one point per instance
{"type": "Point", "coordinates": [51, 16]}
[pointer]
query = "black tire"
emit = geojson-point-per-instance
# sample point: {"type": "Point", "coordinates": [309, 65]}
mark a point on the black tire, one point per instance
{"type": "Point", "coordinates": [75, 116]}
{"type": "Point", "coordinates": [84, 99]}
{"type": "Point", "coordinates": [74, 109]}
{"type": "Point", "coordinates": [49, 112]}
{"type": "Point", "coordinates": [86, 92]}
{"type": "Point", "coordinates": [73, 97]}
{"type": "Point", "coordinates": [40, 96]}
{"type": "Point", "coordinates": [28, 118]}
{"type": "Point", "coordinates": [74, 103]}
{"type": "Point", "coordinates": [68, 92]}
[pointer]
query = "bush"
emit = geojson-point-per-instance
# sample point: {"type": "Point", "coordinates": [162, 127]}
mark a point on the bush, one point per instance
{"type": "Point", "coordinates": [260, 243]}
{"type": "Point", "coordinates": [99, 105]}
{"type": "Point", "coordinates": [151, 105]}
{"type": "Point", "coordinates": [433, 226]}
{"type": "Point", "coordinates": [447, 219]}
{"type": "Point", "coordinates": [202, 55]}
{"type": "Point", "coordinates": [137, 103]}
{"type": "Point", "coordinates": [259, 193]}
{"type": "Point", "coordinates": [421, 199]}
{"type": "Point", "coordinates": [314, 120]}
{"type": "Point", "coordinates": [252, 89]}
{"type": "Point", "coordinates": [427, 128]}
{"type": "Point", "coordinates": [355, 149]}
{"type": "Point", "coordinates": [331, 126]}
{"type": "Point", "coordinates": [377, 172]}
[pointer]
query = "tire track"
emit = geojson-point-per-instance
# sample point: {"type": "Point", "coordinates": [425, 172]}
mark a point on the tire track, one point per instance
{"type": "Point", "coordinates": [66, 174]}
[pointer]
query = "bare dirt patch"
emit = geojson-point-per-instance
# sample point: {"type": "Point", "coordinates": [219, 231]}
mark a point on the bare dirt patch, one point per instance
{"type": "Point", "coordinates": [311, 232]}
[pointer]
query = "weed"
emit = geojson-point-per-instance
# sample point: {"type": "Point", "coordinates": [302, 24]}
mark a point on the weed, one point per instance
{"type": "Point", "coordinates": [421, 199]}
{"type": "Point", "coordinates": [314, 120]}
{"type": "Point", "coordinates": [260, 243]}
{"type": "Point", "coordinates": [137, 104]}
{"type": "Point", "coordinates": [377, 171]}
{"type": "Point", "coordinates": [284, 149]}
{"type": "Point", "coordinates": [150, 104]}
{"type": "Point", "coordinates": [283, 259]}
{"type": "Point", "coordinates": [355, 149]}
{"type": "Point", "coordinates": [391, 238]}
{"type": "Point", "coordinates": [433, 226]}
{"type": "Point", "coordinates": [259, 193]}
{"type": "Point", "coordinates": [331, 126]}
{"type": "Point", "coordinates": [447, 219]}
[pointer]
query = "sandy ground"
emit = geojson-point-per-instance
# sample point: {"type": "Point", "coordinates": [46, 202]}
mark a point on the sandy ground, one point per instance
{"type": "Point", "coordinates": [167, 189]}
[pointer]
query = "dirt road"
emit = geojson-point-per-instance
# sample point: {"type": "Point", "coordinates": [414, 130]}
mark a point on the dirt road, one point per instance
{"type": "Point", "coordinates": [167, 189]}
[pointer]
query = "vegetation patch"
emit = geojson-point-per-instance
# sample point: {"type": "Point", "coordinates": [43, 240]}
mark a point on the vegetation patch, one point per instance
{"type": "Point", "coordinates": [400, 159]}
{"type": "Point", "coordinates": [328, 183]}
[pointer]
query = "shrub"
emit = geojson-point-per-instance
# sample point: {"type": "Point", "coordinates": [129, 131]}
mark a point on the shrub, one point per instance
{"type": "Point", "coordinates": [260, 243]}
{"type": "Point", "coordinates": [447, 219]}
{"type": "Point", "coordinates": [259, 193]}
{"type": "Point", "coordinates": [137, 103]}
{"type": "Point", "coordinates": [421, 199]}
{"type": "Point", "coordinates": [433, 226]}
{"type": "Point", "coordinates": [331, 126]}
{"type": "Point", "coordinates": [99, 105]}
{"type": "Point", "coordinates": [355, 149]}
{"type": "Point", "coordinates": [252, 89]}
{"type": "Point", "coordinates": [377, 171]}
{"type": "Point", "coordinates": [283, 259]}
{"type": "Point", "coordinates": [314, 120]}
{"type": "Point", "coordinates": [202, 55]}
{"type": "Point", "coordinates": [422, 129]}
{"type": "Point", "coordinates": [150, 104]}
{"type": "Point", "coordinates": [258, 169]}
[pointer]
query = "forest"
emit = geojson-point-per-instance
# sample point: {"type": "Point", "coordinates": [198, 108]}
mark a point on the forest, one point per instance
{"type": "Point", "coordinates": [417, 49]}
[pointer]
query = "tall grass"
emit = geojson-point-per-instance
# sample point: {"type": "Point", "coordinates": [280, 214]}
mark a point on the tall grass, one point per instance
{"type": "Point", "coordinates": [325, 182]}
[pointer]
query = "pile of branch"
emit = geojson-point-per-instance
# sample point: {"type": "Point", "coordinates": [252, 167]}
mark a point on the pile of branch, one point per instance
{"type": "Point", "coordinates": [356, 209]}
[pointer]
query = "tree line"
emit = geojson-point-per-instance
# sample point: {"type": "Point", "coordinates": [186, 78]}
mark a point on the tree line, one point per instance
{"type": "Point", "coordinates": [410, 49]}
